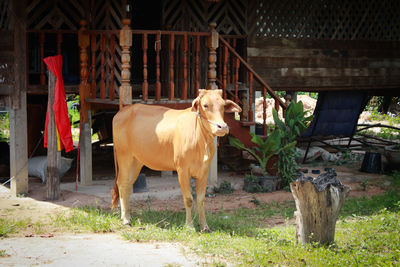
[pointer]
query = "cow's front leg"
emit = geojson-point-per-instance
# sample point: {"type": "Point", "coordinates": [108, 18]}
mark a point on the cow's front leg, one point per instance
{"type": "Point", "coordinates": [201, 187]}
{"type": "Point", "coordinates": [184, 182]}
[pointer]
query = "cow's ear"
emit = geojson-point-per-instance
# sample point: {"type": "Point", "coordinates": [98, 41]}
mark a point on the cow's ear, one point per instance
{"type": "Point", "coordinates": [195, 104]}
{"type": "Point", "coordinates": [219, 91]}
{"type": "Point", "coordinates": [202, 92]}
{"type": "Point", "coordinates": [231, 106]}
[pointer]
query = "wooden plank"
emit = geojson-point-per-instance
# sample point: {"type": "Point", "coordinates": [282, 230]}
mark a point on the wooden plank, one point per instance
{"type": "Point", "coordinates": [306, 62]}
{"type": "Point", "coordinates": [53, 155]}
{"type": "Point", "coordinates": [323, 44]}
{"type": "Point", "coordinates": [6, 89]}
{"type": "Point", "coordinates": [323, 53]}
{"type": "Point", "coordinates": [328, 72]}
{"type": "Point", "coordinates": [305, 82]}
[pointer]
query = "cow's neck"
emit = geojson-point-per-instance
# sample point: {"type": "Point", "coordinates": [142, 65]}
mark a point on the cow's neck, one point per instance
{"type": "Point", "coordinates": [203, 128]}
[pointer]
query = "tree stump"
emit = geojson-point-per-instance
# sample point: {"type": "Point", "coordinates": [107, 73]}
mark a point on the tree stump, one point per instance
{"type": "Point", "coordinates": [318, 202]}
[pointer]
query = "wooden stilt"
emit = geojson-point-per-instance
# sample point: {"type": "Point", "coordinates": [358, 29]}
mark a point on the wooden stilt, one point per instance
{"type": "Point", "coordinates": [53, 155]}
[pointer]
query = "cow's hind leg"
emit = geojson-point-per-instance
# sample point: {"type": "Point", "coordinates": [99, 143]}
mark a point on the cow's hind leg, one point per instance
{"type": "Point", "coordinates": [201, 187]}
{"type": "Point", "coordinates": [128, 172]}
{"type": "Point", "coordinates": [184, 182]}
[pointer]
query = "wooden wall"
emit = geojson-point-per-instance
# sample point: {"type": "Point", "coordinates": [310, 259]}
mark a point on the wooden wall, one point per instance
{"type": "Point", "coordinates": [312, 65]}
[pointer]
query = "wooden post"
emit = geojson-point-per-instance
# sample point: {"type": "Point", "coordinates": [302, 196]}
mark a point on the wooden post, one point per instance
{"type": "Point", "coordinates": [225, 70]}
{"type": "Point", "coordinates": [93, 66]}
{"type": "Point", "coordinates": [18, 115]}
{"type": "Point", "coordinates": [264, 95]}
{"type": "Point", "coordinates": [145, 84]}
{"type": "Point", "coordinates": [85, 151]}
{"type": "Point", "coordinates": [125, 41]}
{"type": "Point", "coordinates": [112, 63]}
{"type": "Point", "coordinates": [236, 79]}
{"type": "Point", "coordinates": [53, 155]}
{"type": "Point", "coordinates": [196, 68]}
{"type": "Point", "coordinates": [171, 49]}
{"type": "Point", "coordinates": [251, 114]}
{"type": "Point", "coordinates": [42, 75]}
{"type": "Point", "coordinates": [158, 83]}
{"type": "Point", "coordinates": [102, 84]}
{"type": "Point", "coordinates": [212, 44]}
{"type": "Point", "coordinates": [318, 203]}
{"type": "Point", "coordinates": [185, 70]}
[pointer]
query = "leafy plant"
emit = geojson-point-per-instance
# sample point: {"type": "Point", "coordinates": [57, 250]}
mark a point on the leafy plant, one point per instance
{"type": "Point", "coordinates": [4, 127]}
{"type": "Point", "coordinates": [296, 121]}
{"type": "Point", "coordinates": [264, 149]}
{"type": "Point", "coordinates": [224, 188]}
{"type": "Point", "coordinates": [251, 183]}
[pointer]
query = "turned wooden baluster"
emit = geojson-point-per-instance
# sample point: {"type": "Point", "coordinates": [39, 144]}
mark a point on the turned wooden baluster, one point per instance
{"type": "Point", "coordinates": [276, 105]}
{"type": "Point", "coordinates": [196, 63]}
{"type": "Point", "coordinates": [264, 111]}
{"type": "Point", "coordinates": [185, 71]}
{"type": "Point", "coordinates": [251, 115]}
{"type": "Point", "coordinates": [125, 40]}
{"type": "Point", "coordinates": [233, 66]}
{"type": "Point", "coordinates": [83, 42]}
{"type": "Point", "coordinates": [171, 66]}
{"type": "Point", "coordinates": [93, 66]}
{"type": "Point", "coordinates": [158, 83]}
{"type": "Point", "coordinates": [102, 66]}
{"type": "Point", "coordinates": [225, 70]}
{"type": "Point", "coordinates": [220, 62]}
{"type": "Point", "coordinates": [236, 73]}
{"type": "Point", "coordinates": [112, 63]}
{"type": "Point", "coordinates": [145, 84]}
{"type": "Point", "coordinates": [59, 43]}
{"type": "Point", "coordinates": [42, 75]}
{"type": "Point", "coordinates": [212, 44]}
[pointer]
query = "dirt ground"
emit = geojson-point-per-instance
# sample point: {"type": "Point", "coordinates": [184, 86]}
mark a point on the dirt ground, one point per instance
{"type": "Point", "coordinates": [58, 248]}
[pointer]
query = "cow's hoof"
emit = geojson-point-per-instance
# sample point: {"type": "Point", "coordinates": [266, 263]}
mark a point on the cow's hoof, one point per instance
{"type": "Point", "coordinates": [126, 222]}
{"type": "Point", "coordinates": [206, 229]}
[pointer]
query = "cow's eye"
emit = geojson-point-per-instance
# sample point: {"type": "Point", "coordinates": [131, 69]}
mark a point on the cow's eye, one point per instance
{"type": "Point", "coordinates": [205, 106]}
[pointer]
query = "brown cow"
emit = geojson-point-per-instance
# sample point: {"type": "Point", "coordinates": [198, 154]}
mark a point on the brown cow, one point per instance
{"type": "Point", "coordinates": [167, 139]}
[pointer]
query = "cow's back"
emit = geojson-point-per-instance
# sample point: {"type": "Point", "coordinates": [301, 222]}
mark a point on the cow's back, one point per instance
{"type": "Point", "coordinates": [146, 133]}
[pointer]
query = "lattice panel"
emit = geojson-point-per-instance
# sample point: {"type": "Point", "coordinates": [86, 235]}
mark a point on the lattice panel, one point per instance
{"type": "Point", "coordinates": [107, 14]}
{"type": "Point", "coordinates": [50, 14]}
{"type": "Point", "coordinates": [187, 15]}
{"type": "Point", "coordinates": [103, 64]}
{"type": "Point", "coordinates": [4, 14]}
{"type": "Point", "coordinates": [334, 20]}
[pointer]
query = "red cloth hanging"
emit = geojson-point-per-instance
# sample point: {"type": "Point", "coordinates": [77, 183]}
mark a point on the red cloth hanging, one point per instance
{"type": "Point", "coordinates": [54, 64]}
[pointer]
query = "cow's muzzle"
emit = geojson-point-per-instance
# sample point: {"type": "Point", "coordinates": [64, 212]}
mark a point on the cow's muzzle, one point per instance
{"type": "Point", "coordinates": [221, 129]}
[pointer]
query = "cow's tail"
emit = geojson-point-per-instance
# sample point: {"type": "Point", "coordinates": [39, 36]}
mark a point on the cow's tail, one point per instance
{"type": "Point", "coordinates": [115, 191]}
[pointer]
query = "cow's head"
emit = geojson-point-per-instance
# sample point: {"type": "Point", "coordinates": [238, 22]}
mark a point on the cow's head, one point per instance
{"type": "Point", "coordinates": [211, 107]}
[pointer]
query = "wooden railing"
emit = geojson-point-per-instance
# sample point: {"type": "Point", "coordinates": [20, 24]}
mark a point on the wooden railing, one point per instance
{"type": "Point", "coordinates": [43, 43]}
{"type": "Point", "coordinates": [150, 66]}
{"type": "Point", "coordinates": [235, 70]}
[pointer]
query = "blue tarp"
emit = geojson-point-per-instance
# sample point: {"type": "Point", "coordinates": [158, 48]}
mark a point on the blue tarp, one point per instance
{"type": "Point", "coordinates": [336, 113]}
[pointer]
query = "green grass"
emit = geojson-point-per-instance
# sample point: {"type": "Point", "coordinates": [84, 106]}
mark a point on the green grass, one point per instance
{"type": "Point", "coordinates": [3, 253]}
{"type": "Point", "coordinates": [9, 226]}
{"type": "Point", "coordinates": [367, 233]}
{"type": "Point", "coordinates": [91, 219]}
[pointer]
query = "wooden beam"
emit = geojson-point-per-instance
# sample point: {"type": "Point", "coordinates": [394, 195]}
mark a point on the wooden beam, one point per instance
{"type": "Point", "coordinates": [53, 155]}
{"type": "Point", "coordinates": [18, 115]}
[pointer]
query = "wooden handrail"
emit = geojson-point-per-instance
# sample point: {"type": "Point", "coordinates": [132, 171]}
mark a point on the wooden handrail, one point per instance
{"type": "Point", "coordinates": [255, 75]}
